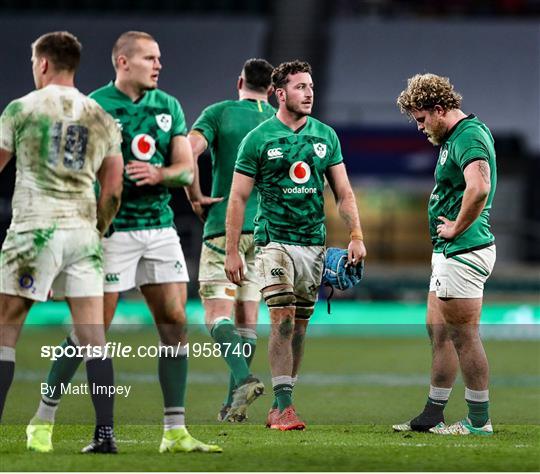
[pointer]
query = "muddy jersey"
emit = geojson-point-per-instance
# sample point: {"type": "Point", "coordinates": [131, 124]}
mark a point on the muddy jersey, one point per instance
{"type": "Point", "coordinates": [289, 168]}
{"type": "Point", "coordinates": [468, 141]}
{"type": "Point", "coordinates": [59, 138]}
{"type": "Point", "coordinates": [224, 125]}
{"type": "Point", "coordinates": [148, 126]}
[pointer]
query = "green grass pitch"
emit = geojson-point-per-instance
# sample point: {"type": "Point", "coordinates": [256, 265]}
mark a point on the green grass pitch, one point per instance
{"type": "Point", "coordinates": [350, 392]}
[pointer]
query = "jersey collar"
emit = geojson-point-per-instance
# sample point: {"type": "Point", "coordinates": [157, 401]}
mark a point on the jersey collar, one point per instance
{"type": "Point", "coordinates": [298, 130]}
{"type": "Point", "coordinates": [453, 129]}
{"type": "Point", "coordinates": [125, 97]}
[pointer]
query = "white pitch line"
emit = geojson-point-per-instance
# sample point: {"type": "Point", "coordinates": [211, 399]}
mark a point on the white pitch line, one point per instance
{"type": "Point", "coordinates": [310, 378]}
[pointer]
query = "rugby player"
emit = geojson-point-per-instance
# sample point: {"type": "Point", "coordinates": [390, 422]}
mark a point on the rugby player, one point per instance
{"type": "Point", "coordinates": [142, 248]}
{"type": "Point", "coordinates": [463, 251]}
{"type": "Point", "coordinates": [287, 159]}
{"type": "Point", "coordinates": [221, 127]}
{"type": "Point", "coordinates": [62, 141]}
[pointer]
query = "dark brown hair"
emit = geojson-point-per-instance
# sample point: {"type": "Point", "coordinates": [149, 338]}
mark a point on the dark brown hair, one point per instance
{"type": "Point", "coordinates": [281, 73]}
{"type": "Point", "coordinates": [61, 48]}
{"type": "Point", "coordinates": [258, 74]}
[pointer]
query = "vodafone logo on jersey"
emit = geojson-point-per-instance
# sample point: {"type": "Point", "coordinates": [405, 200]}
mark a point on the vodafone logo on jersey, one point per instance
{"type": "Point", "coordinates": [300, 172]}
{"type": "Point", "coordinates": [143, 146]}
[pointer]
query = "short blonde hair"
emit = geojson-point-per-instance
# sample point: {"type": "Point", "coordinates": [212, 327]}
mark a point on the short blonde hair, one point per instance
{"type": "Point", "coordinates": [125, 44]}
{"type": "Point", "coordinates": [425, 91]}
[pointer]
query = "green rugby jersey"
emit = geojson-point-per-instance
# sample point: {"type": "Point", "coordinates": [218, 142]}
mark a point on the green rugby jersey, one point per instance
{"type": "Point", "coordinates": [148, 126]}
{"type": "Point", "coordinates": [468, 141]}
{"type": "Point", "coordinates": [224, 125]}
{"type": "Point", "coordinates": [289, 167]}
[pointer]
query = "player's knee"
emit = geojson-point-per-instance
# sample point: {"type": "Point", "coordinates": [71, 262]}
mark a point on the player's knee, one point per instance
{"type": "Point", "coordinates": [279, 297]}
{"type": "Point", "coordinates": [173, 315]}
{"type": "Point", "coordinates": [438, 335]}
{"type": "Point", "coordinates": [464, 336]}
{"type": "Point", "coordinates": [88, 334]}
{"type": "Point", "coordinates": [246, 312]}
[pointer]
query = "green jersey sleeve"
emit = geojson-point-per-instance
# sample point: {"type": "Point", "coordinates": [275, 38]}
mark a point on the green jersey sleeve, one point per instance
{"type": "Point", "coordinates": [247, 161]}
{"type": "Point", "coordinates": [336, 157]}
{"type": "Point", "coordinates": [179, 120]}
{"type": "Point", "coordinates": [208, 123]}
{"type": "Point", "coordinates": [471, 146]}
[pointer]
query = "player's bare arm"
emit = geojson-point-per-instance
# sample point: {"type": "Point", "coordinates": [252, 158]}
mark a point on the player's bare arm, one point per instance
{"type": "Point", "coordinates": [110, 176]}
{"type": "Point", "coordinates": [5, 156]}
{"type": "Point", "coordinates": [179, 173]}
{"type": "Point", "coordinates": [197, 199]}
{"type": "Point", "coordinates": [241, 188]}
{"type": "Point", "coordinates": [346, 203]}
{"type": "Point", "coordinates": [477, 187]}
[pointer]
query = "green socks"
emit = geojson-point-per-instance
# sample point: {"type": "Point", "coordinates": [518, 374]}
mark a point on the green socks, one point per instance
{"type": "Point", "coordinates": [225, 334]}
{"type": "Point", "coordinates": [62, 371]}
{"type": "Point", "coordinates": [172, 372]}
{"type": "Point", "coordinates": [249, 337]}
{"type": "Point", "coordinates": [283, 387]}
{"type": "Point", "coordinates": [478, 403]}
{"type": "Point", "coordinates": [275, 403]}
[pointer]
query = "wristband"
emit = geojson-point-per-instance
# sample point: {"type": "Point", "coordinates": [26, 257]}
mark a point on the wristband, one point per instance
{"type": "Point", "coordinates": [357, 235]}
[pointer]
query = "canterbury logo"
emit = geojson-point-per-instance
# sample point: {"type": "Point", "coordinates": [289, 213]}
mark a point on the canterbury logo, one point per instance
{"type": "Point", "coordinates": [112, 278]}
{"type": "Point", "coordinates": [277, 272]}
{"type": "Point", "coordinates": [274, 153]}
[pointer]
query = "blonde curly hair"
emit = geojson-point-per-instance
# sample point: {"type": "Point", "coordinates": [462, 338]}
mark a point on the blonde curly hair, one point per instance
{"type": "Point", "coordinates": [425, 91]}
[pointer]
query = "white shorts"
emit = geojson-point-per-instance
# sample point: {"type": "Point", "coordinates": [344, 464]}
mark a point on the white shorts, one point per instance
{"type": "Point", "coordinates": [70, 261]}
{"type": "Point", "coordinates": [297, 266]}
{"type": "Point", "coordinates": [140, 257]}
{"type": "Point", "coordinates": [463, 275]}
{"type": "Point", "coordinates": [213, 281]}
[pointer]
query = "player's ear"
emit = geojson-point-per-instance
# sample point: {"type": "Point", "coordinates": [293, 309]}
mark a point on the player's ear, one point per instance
{"type": "Point", "coordinates": [121, 62]}
{"type": "Point", "coordinates": [43, 65]}
{"type": "Point", "coordinates": [280, 94]}
{"type": "Point", "coordinates": [439, 110]}
{"type": "Point", "coordinates": [240, 83]}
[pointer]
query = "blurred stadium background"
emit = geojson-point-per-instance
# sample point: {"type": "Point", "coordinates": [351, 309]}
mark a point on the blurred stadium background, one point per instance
{"type": "Point", "coordinates": [362, 52]}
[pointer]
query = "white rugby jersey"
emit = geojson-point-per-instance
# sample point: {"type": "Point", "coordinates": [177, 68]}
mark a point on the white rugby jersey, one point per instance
{"type": "Point", "coordinates": [59, 138]}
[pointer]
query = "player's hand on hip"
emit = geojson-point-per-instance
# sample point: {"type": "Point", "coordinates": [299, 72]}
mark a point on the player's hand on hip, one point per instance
{"type": "Point", "coordinates": [446, 230]}
{"type": "Point", "coordinates": [144, 173]}
{"type": "Point", "coordinates": [200, 206]}
{"type": "Point", "coordinates": [234, 268]}
{"type": "Point", "coordinates": [356, 252]}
